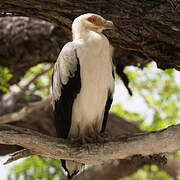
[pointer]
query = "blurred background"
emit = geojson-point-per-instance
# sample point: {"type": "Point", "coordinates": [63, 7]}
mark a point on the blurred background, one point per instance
{"type": "Point", "coordinates": [154, 105]}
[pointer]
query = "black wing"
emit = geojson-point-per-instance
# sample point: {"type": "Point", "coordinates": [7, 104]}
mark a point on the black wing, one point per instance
{"type": "Point", "coordinates": [66, 84]}
{"type": "Point", "coordinates": [108, 105]}
{"type": "Point", "coordinates": [63, 106]}
{"type": "Point", "coordinates": [106, 112]}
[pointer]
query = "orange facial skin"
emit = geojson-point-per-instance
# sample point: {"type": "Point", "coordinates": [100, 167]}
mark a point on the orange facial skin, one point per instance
{"type": "Point", "coordinates": [98, 21]}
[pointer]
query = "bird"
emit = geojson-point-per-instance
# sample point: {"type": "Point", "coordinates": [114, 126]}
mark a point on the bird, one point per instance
{"type": "Point", "coordinates": [83, 84]}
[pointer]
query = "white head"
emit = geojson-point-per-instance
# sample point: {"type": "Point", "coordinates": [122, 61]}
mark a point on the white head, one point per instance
{"type": "Point", "coordinates": [91, 22]}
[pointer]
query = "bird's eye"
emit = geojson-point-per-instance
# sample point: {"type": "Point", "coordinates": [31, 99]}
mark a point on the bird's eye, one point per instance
{"type": "Point", "coordinates": [92, 20]}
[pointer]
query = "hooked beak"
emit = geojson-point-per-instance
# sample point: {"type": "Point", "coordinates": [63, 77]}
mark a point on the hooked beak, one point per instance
{"type": "Point", "coordinates": [108, 25]}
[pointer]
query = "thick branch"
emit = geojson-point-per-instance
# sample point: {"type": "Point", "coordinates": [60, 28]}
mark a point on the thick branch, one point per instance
{"type": "Point", "coordinates": [124, 167]}
{"type": "Point", "coordinates": [115, 126]}
{"type": "Point", "coordinates": [172, 167]}
{"type": "Point", "coordinates": [163, 141]}
{"type": "Point", "coordinates": [147, 29]}
{"type": "Point", "coordinates": [119, 168]}
{"type": "Point", "coordinates": [26, 42]}
{"type": "Point", "coordinates": [31, 41]}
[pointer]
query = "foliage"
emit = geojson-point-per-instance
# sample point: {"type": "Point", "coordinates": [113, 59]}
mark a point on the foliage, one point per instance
{"type": "Point", "coordinates": [149, 173]}
{"type": "Point", "coordinates": [5, 76]}
{"type": "Point", "coordinates": [37, 168]}
{"type": "Point", "coordinates": [160, 93]}
{"type": "Point", "coordinates": [41, 85]}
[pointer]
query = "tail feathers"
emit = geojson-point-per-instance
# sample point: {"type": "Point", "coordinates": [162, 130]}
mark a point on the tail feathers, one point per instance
{"type": "Point", "coordinates": [71, 167]}
{"type": "Point", "coordinates": [71, 176]}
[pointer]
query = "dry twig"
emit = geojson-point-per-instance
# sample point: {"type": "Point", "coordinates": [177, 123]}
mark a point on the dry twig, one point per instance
{"type": "Point", "coordinates": [15, 116]}
{"type": "Point", "coordinates": [36, 75]}
{"type": "Point", "coordinates": [18, 155]}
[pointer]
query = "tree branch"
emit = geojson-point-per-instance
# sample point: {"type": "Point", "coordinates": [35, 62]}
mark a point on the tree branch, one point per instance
{"type": "Point", "coordinates": [32, 78]}
{"type": "Point", "coordinates": [172, 167]}
{"type": "Point", "coordinates": [31, 41]}
{"type": "Point", "coordinates": [146, 29]}
{"type": "Point", "coordinates": [18, 155]}
{"type": "Point", "coordinates": [176, 5]}
{"type": "Point", "coordinates": [124, 167]}
{"type": "Point", "coordinates": [27, 109]}
{"type": "Point", "coordinates": [32, 91]}
{"type": "Point", "coordinates": [119, 168]}
{"type": "Point", "coordinates": [26, 42]}
{"type": "Point", "coordinates": [164, 141]}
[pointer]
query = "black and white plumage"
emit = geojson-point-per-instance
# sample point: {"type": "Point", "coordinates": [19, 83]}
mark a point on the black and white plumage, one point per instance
{"type": "Point", "coordinates": [83, 83]}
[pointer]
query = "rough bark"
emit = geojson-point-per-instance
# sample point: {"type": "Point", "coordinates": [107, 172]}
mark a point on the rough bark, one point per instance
{"type": "Point", "coordinates": [119, 168]}
{"type": "Point", "coordinates": [124, 167]}
{"type": "Point", "coordinates": [25, 42]}
{"type": "Point", "coordinates": [172, 168]}
{"type": "Point", "coordinates": [116, 126]}
{"type": "Point", "coordinates": [164, 141]}
{"type": "Point", "coordinates": [146, 29]}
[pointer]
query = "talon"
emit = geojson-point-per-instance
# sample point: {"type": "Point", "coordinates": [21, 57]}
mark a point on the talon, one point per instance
{"type": "Point", "coordinates": [98, 138]}
{"type": "Point", "coordinates": [105, 136]}
{"type": "Point", "coordinates": [85, 144]}
{"type": "Point", "coordinates": [76, 141]}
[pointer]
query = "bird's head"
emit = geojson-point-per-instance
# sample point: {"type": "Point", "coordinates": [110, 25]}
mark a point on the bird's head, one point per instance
{"type": "Point", "coordinates": [91, 22]}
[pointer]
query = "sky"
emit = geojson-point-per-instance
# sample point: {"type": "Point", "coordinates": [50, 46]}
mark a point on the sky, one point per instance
{"type": "Point", "coordinates": [4, 169]}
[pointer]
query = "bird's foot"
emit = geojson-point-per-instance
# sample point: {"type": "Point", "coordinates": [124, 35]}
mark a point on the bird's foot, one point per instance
{"type": "Point", "coordinates": [81, 141]}
{"type": "Point", "coordinates": [86, 142]}
{"type": "Point", "coordinates": [92, 139]}
{"type": "Point", "coordinates": [77, 141]}
{"type": "Point", "coordinates": [98, 138]}
{"type": "Point", "coordinates": [106, 136]}
{"type": "Point", "coordinates": [87, 139]}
